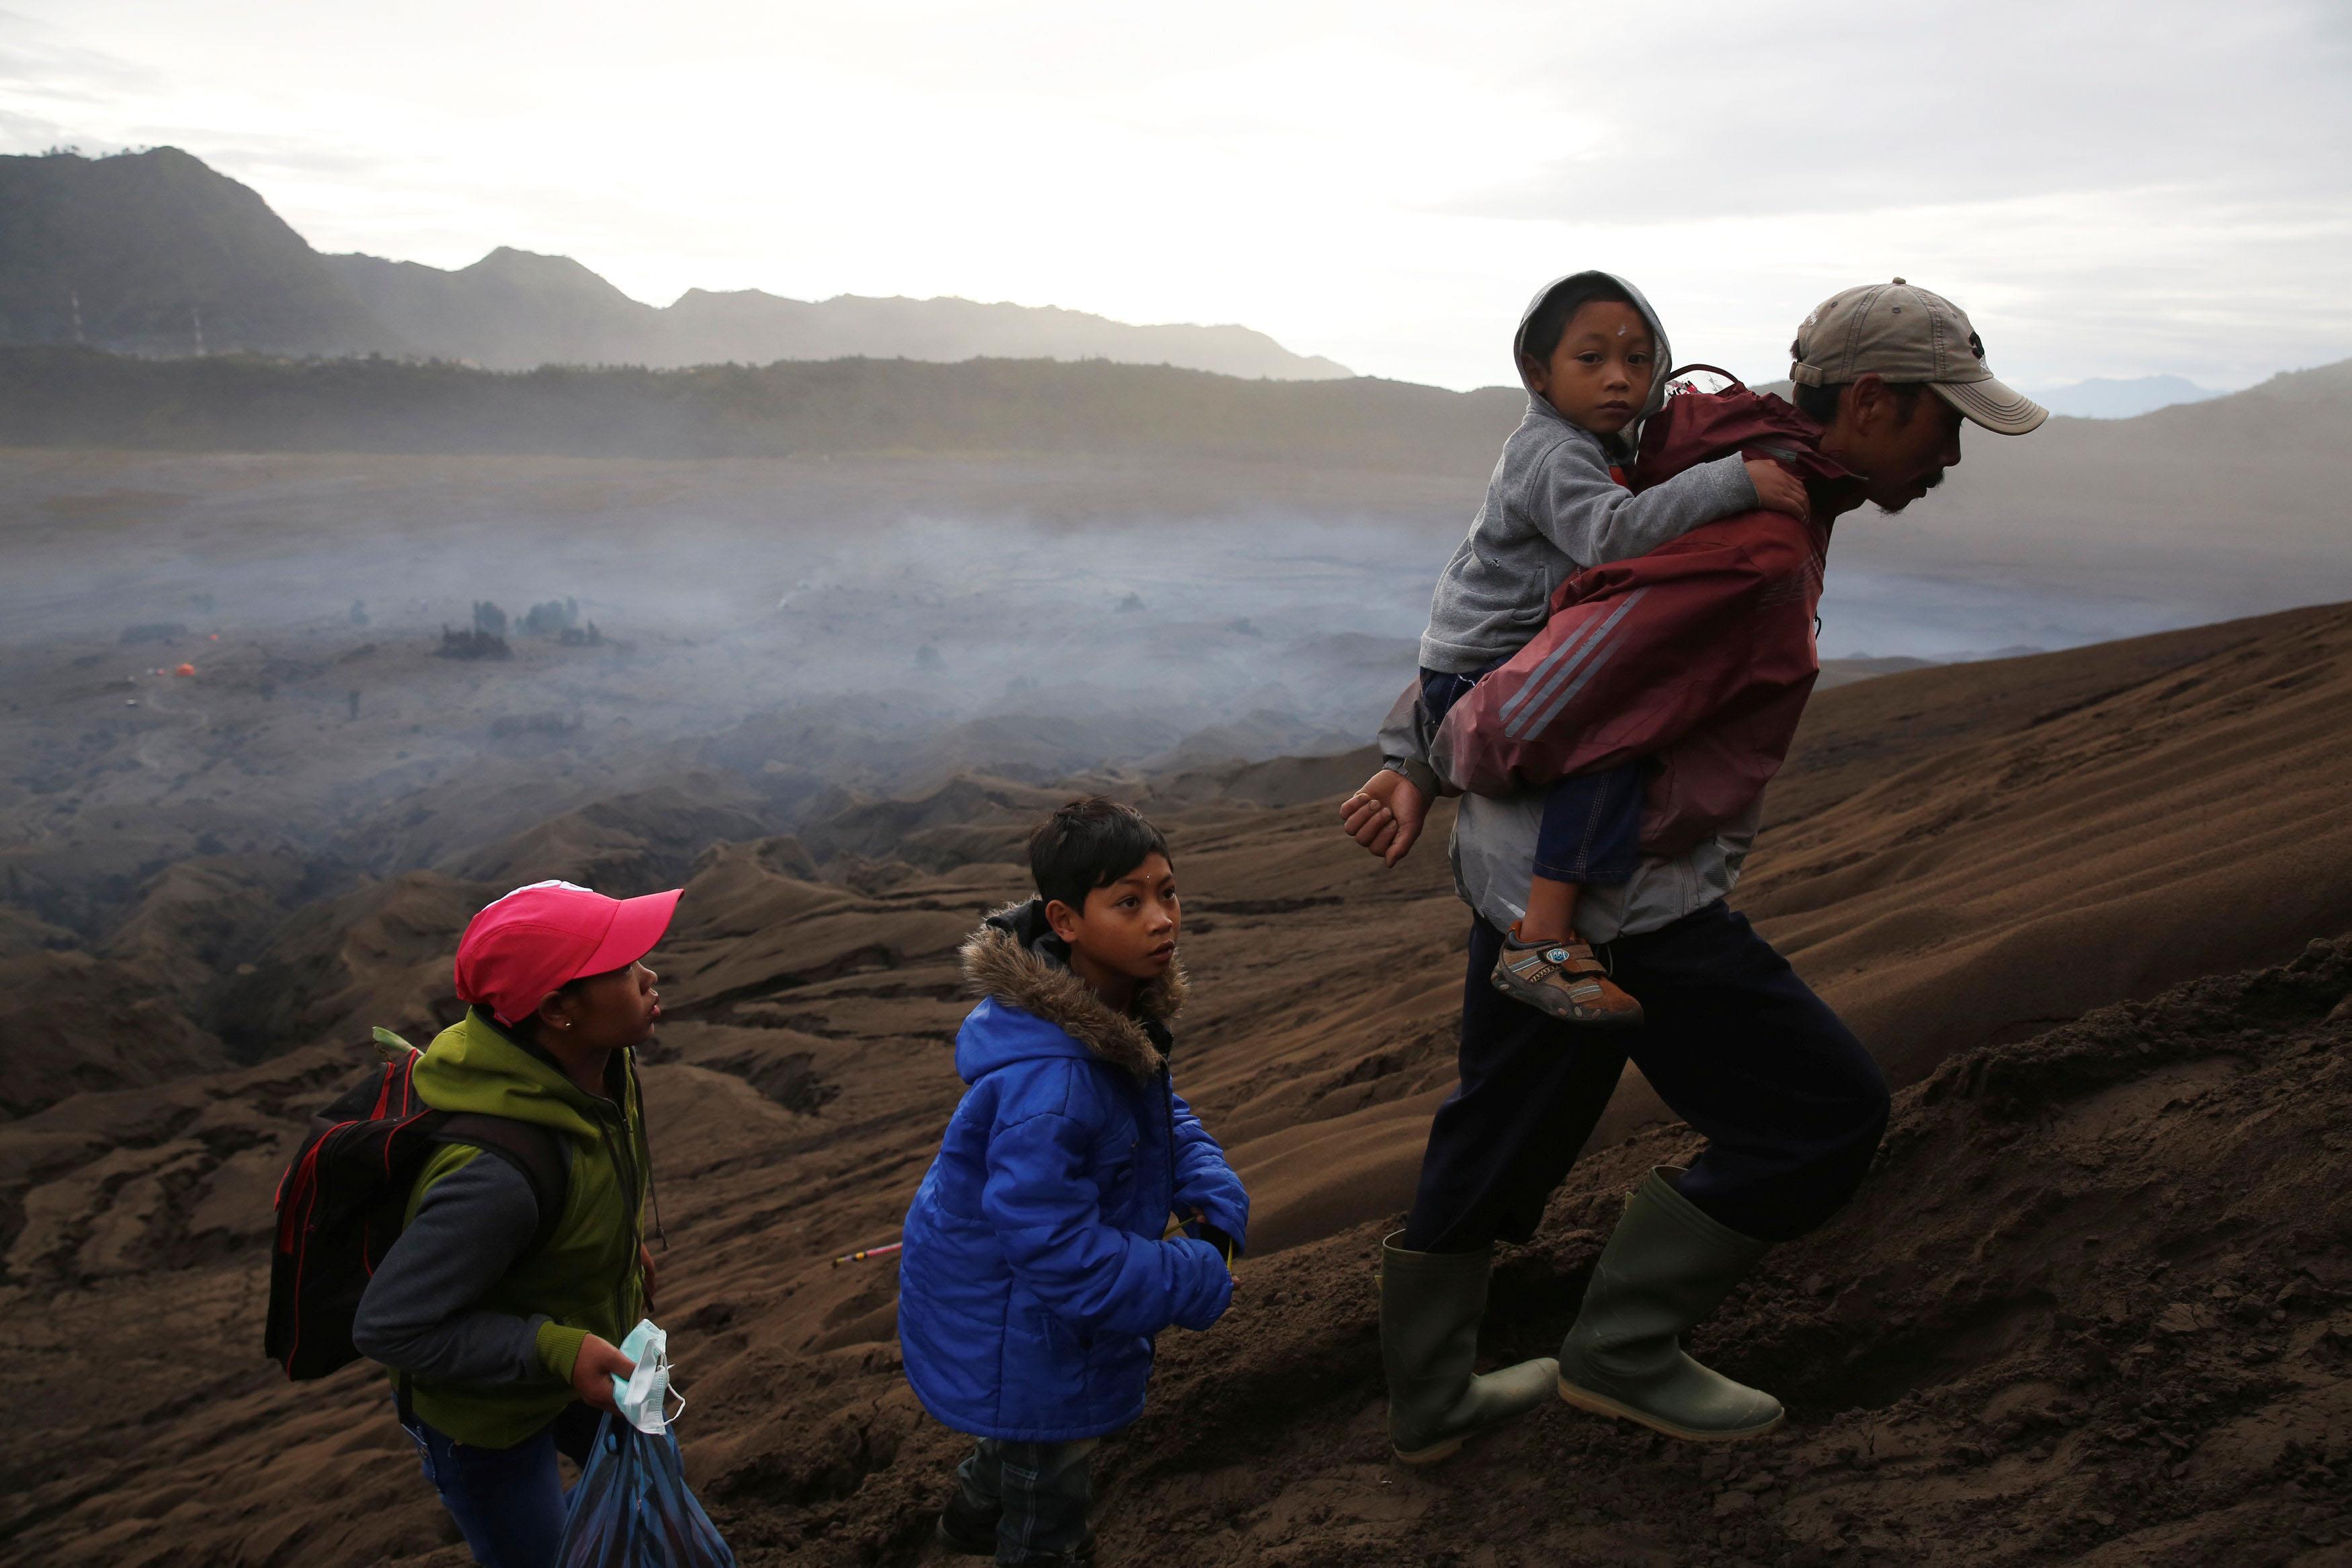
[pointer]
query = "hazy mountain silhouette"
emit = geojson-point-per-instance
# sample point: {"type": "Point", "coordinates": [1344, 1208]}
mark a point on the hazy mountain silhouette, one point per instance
{"type": "Point", "coordinates": [2296, 422]}
{"type": "Point", "coordinates": [157, 249]}
{"type": "Point", "coordinates": [514, 309]}
{"type": "Point", "coordinates": [166, 257]}
{"type": "Point", "coordinates": [64, 396]}
{"type": "Point", "coordinates": [2107, 397]}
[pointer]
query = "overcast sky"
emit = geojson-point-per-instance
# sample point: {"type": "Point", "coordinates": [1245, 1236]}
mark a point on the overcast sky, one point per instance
{"type": "Point", "coordinates": [2109, 189]}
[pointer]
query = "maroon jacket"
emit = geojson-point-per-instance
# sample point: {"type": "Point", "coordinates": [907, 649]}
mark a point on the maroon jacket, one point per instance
{"type": "Point", "coordinates": [1698, 656]}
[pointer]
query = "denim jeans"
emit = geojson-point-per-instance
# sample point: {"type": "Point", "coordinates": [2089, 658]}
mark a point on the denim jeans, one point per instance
{"type": "Point", "coordinates": [1591, 829]}
{"type": "Point", "coordinates": [1038, 1492]}
{"type": "Point", "coordinates": [509, 1502]}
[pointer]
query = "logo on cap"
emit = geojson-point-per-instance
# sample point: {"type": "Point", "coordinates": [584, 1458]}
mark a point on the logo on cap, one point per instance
{"type": "Point", "coordinates": [1976, 345]}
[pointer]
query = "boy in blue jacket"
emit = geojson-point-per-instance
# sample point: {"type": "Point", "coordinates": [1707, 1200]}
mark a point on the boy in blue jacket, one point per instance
{"type": "Point", "coordinates": [1037, 1263]}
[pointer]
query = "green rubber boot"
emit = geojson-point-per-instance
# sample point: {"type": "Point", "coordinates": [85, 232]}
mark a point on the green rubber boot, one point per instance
{"type": "Point", "coordinates": [1667, 1267]}
{"type": "Point", "coordinates": [1430, 1306]}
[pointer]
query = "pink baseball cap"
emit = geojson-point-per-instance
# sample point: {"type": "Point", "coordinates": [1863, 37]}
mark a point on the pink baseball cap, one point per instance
{"type": "Point", "coordinates": [539, 938]}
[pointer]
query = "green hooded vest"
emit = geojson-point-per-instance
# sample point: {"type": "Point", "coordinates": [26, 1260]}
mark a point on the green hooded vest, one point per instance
{"type": "Point", "coordinates": [586, 1278]}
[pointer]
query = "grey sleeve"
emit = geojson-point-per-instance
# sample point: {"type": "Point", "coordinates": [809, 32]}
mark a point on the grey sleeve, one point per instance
{"type": "Point", "coordinates": [418, 1314]}
{"type": "Point", "coordinates": [1594, 520]}
{"type": "Point", "coordinates": [1404, 744]}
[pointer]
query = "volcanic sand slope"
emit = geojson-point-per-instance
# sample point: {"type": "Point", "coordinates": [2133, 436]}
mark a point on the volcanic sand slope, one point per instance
{"type": "Point", "coordinates": [2092, 1307]}
{"type": "Point", "coordinates": [1955, 1328]}
{"type": "Point", "coordinates": [2103, 826]}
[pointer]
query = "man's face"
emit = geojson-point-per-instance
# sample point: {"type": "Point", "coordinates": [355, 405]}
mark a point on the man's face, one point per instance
{"type": "Point", "coordinates": [1128, 926]}
{"type": "Point", "coordinates": [1599, 375]}
{"type": "Point", "coordinates": [1901, 451]}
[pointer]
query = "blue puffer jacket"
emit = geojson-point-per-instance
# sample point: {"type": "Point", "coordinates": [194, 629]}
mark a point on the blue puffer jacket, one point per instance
{"type": "Point", "coordinates": [1034, 1275]}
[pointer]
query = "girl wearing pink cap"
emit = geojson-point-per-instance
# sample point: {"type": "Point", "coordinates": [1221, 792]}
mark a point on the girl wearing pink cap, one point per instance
{"type": "Point", "coordinates": [522, 1262]}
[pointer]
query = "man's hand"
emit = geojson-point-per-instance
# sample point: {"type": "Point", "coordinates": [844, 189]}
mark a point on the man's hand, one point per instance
{"type": "Point", "coordinates": [646, 1274]}
{"type": "Point", "coordinates": [1385, 816]}
{"type": "Point", "coordinates": [1777, 489]}
{"type": "Point", "coordinates": [591, 1375]}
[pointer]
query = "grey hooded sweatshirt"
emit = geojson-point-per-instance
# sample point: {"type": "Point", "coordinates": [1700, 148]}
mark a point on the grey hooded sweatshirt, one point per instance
{"type": "Point", "coordinates": [1551, 511]}
{"type": "Point", "coordinates": [1497, 594]}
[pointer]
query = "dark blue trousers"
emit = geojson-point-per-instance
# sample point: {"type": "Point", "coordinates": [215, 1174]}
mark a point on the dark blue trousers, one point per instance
{"type": "Point", "coordinates": [1791, 1104]}
{"type": "Point", "coordinates": [1037, 1494]}
{"type": "Point", "coordinates": [1591, 829]}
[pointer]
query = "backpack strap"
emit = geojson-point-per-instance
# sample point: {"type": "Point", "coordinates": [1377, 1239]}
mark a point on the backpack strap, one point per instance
{"type": "Point", "coordinates": [533, 1150]}
{"type": "Point", "coordinates": [1674, 376]}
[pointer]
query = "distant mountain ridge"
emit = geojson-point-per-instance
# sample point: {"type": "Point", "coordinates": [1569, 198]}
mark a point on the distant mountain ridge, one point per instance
{"type": "Point", "coordinates": [154, 253]}
{"type": "Point", "coordinates": [2298, 423]}
{"type": "Point", "coordinates": [514, 310]}
{"type": "Point", "coordinates": [62, 395]}
{"type": "Point", "coordinates": [2108, 397]}
{"type": "Point", "coordinates": [158, 255]}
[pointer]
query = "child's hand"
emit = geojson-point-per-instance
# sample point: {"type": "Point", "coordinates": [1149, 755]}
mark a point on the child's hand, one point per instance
{"type": "Point", "coordinates": [1203, 1315]}
{"type": "Point", "coordinates": [1777, 489]}
{"type": "Point", "coordinates": [647, 1273]}
{"type": "Point", "coordinates": [1385, 816]}
{"type": "Point", "coordinates": [600, 1362]}
{"type": "Point", "coordinates": [1204, 1231]}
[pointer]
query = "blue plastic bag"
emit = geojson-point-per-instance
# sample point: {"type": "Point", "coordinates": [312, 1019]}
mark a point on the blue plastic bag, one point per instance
{"type": "Point", "coordinates": [631, 1508]}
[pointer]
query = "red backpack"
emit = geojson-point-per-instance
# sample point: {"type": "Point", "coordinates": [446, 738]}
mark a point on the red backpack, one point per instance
{"type": "Point", "coordinates": [343, 1201]}
{"type": "Point", "coordinates": [1696, 657]}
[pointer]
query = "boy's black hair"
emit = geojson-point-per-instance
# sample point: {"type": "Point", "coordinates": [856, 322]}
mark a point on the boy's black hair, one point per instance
{"type": "Point", "coordinates": [1560, 308]}
{"type": "Point", "coordinates": [1089, 845]}
{"type": "Point", "coordinates": [1820, 404]}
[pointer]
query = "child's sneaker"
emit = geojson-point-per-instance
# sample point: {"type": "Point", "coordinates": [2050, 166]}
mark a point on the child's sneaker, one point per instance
{"type": "Point", "coordinates": [968, 1530]}
{"type": "Point", "coordinates": [971, 1532]}
{"type": "Point", "coordinates": [1564, 979]}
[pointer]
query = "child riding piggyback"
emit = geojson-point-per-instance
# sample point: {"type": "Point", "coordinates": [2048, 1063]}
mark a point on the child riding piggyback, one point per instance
{"type": "Point", "coordinates": [1593, 355]}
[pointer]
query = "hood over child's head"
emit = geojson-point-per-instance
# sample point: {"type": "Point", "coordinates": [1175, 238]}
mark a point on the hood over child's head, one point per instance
{"type": "Point", "coordinates": [1591, 350]}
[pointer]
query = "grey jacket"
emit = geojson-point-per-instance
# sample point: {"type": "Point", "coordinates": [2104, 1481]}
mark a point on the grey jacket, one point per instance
{"type": "Point", "coordinates": [1494, 850]}
{"type": "Point", "coordinates": [419, 1314]}
{"type": "Point", "coordinates": [1551, 509]}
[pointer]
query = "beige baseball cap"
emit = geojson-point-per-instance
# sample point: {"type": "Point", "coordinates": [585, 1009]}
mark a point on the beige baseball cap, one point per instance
{"type": "Point", "coordinates": [1903, 333]}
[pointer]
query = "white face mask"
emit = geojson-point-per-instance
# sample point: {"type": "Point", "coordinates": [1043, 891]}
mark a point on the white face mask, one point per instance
{"type": "Point", "coordinates": [643, 1398]}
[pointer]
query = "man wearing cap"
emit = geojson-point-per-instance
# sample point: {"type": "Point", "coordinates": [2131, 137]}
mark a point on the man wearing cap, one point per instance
{"type": "Point", "coordinates": [1791, 1104]}
{"type": "Point", "coordinates": [500, 1320]}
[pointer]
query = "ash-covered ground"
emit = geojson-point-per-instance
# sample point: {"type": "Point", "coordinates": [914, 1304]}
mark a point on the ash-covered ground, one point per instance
{"type": "Point", "coordinates": [2091, 1307]}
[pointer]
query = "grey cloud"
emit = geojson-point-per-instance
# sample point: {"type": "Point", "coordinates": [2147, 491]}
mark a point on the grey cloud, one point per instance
{"type": "Point", "coordinates": [35, 61]}
{"type": "Point", "coordinates": [1829, 110]}
{"type": "Point", "coordinates": [252, 158]}
{"type": "Point", "coordinates": [27, 133]}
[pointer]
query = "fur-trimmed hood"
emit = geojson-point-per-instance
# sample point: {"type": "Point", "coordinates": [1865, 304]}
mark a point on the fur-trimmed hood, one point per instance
{"type": "Point", "coordinates": [1015, 960]}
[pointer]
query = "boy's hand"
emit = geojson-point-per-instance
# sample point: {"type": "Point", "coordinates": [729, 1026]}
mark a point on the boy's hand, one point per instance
{"type": "Point", "coordinates": [1777, 489]}
{"type": "Point", "coordinates": [1385, 816]}
{"type": "Point", "coordinates": [1202, 1230]}
{"type": "Point", "coordinates": [1204, 1315]}
{"type": "Point", "coordinates": [646, 1274]}
{"type": "Point", "coordinates": [591, 1375]}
